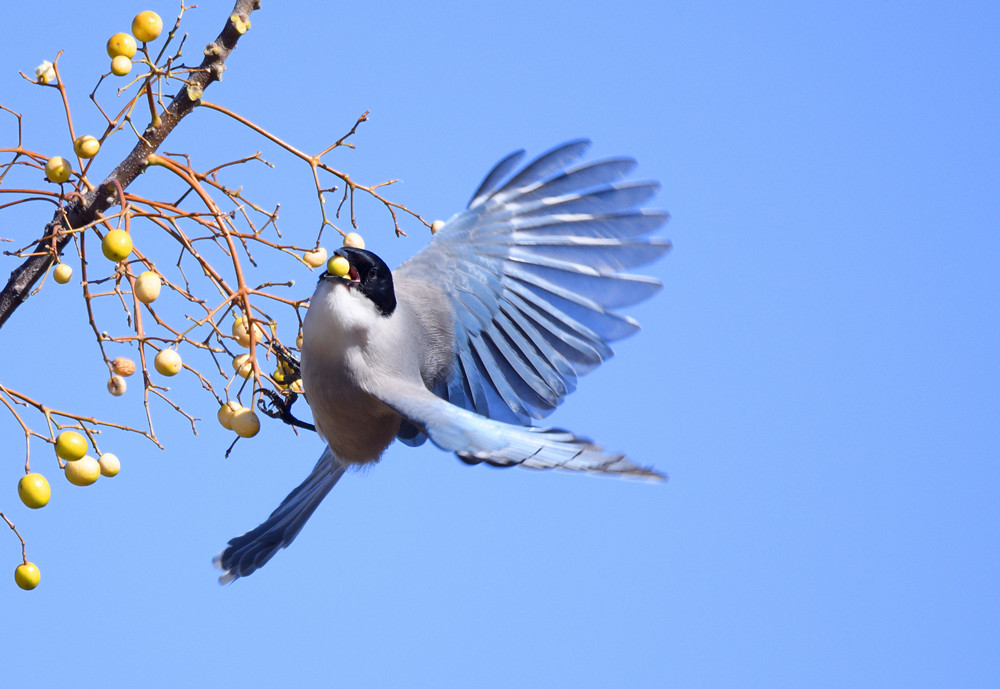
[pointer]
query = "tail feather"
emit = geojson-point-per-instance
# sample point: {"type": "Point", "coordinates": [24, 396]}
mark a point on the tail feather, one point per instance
{"type": "Point", "coordinates": [247, 553]}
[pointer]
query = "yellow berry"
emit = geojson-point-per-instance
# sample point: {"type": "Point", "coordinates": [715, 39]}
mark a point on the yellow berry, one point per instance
{"type": "Point", "coordinates": [120, 66]}
{"type": "Point", "coordinates": [116, 245]}
{"type": "Point", "coordinates": [243, 366]}
{"type": "Point", "coordinates": [34, 491]}
{"type": "Point", "coordinates": [86, 146]}
{"type": "Point", "coordinates": [117, 386]}
{"type": "Point", "coordinates": [62, 273]}
{"type": "Point", "coordinates": [121, 44]}
{"type": "Point", "coordinates": [339, 266]}
{"type": "Point", "coordinates": [315, 258]}
{"type": "Point", "coordinates": [242, 333]}
{"type": "Point", "coordinates": [27, 576]}
{"type": "Point", "coordinates": [245, 423]}
{"type": "Point", "coordinates": [83, 471]}
{"type": "Point", "coordinates": [226, 412]}
{"type": "Point", "coordinates": [298, 340]}
{"type": "Point", "coordinates": [122, 366]}
{"type": "Point", "coordinates": [167, 362]}
{"type": "Point", "coordinates": [147, 287]}
{"type": "Point", "coordinates": [436, 226]}
{"type": "Point", "coordinates": [147, 26]}
{"type": "Point", "coordinates": [58, 169]}
{"type": "Point", "coordinates": [354, 239]}
{"type": "Point", "coordinates": [70, 446]}
{"type": "Point", "coordinates": [110, 466]}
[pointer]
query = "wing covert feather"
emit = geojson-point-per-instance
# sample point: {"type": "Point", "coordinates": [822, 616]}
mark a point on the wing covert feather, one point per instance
{"type": "Point", "coordinates": [534, 269]}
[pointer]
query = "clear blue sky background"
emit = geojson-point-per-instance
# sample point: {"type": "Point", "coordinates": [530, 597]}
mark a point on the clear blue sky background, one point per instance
{"type": "Point", "coordinates": [820, 375]}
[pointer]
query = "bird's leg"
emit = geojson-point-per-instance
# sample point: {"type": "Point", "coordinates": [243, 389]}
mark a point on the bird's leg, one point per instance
{"type": "Point", "coordinates": [280, 407]}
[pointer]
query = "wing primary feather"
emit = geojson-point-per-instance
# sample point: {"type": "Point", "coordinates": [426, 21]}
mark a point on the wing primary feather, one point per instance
{"type": "Point", "coordinates": [495, 176]}
{"type": "Point", "coordinates": [535, 272]}
{"type": "Point", "coordinates": [545, 164]}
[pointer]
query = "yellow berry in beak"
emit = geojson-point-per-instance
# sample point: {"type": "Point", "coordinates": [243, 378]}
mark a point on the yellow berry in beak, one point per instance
{"type": "Point", "coordinates": [338, 266]}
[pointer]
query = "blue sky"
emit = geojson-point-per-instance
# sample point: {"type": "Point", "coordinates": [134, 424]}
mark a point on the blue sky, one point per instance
{"type": "Point", "coordinates": [820, 375]}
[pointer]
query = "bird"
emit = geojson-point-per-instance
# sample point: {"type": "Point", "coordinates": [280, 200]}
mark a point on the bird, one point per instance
{"type": "Point", "coordinates": [477, 336]}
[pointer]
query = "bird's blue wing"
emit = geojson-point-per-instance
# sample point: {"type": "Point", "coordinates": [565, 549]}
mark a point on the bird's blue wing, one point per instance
{"type": "Point", "coordinates": [477, 439]}
{"type": "Point", "coordinates": [534, 268]}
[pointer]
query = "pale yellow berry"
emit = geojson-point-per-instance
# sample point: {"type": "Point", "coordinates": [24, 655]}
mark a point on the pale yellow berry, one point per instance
{"type": "Point", "coordinates": [116, 386]}
{"type": "Point", "coordinates": [243, 366]}
{"type": "Point", "coordinates": [315, 258]}
{"type": "Point", "coordinates": [436, 226]}
{"type": "Point", "coordinates": [58, 169]}
{"type": "Point", "coordinates": [296, 386]}
{"type": "Point", "coordinates": [110, 465]}
{"type": "Point", "coordinates": [245, 423]}
{"type": "Point", "coordinates": [62, 273]}
{"type": "Point", "coordinates": [83, 471]}
{"type": "Point", "coordinates": [242, 333]}
{"type": "Point", "coordinates": [226, 412]}
{"type": "Point", "coordinates": [168, 362]}
{"type": "Point", "coordinates": [147, 287]}
{"type": "Point", "coordinates": [120, 66]}
{"type": "Point", "coordinates": [354, 239]}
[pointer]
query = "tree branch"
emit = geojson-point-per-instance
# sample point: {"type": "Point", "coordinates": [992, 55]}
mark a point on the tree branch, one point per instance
{"type": "Point", "coordinates": [87, 208]}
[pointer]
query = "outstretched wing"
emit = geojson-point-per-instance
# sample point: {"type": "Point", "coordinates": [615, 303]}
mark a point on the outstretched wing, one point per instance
{"type": "Point", "coordinates": [533, 269]}
{"type": "Point", "coordinates": [475, 438]}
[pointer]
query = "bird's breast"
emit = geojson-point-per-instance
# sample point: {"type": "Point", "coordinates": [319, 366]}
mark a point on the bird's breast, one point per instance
{"type": "Point", "coordinates": [336, 359]}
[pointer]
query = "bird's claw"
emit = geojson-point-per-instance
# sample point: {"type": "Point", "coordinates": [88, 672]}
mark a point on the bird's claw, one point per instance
{"type": "Point", "coordinates": [280, 407]}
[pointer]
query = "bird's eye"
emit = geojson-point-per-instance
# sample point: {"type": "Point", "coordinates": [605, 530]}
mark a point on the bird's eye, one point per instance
{"type": "Point", "coordinates": [372, 273]}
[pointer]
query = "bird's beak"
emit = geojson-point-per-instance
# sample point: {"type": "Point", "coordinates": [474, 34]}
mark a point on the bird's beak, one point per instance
{"type": "Point", "coordinates": [351, 278]}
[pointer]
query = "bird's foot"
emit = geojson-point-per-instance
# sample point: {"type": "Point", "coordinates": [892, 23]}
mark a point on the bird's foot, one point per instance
{"type": "Point", "coordinates": [278, 406]}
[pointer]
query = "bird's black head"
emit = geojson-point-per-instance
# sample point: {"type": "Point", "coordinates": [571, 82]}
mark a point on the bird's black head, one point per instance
{"type": "Point", "coordinates": [370, 275]}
